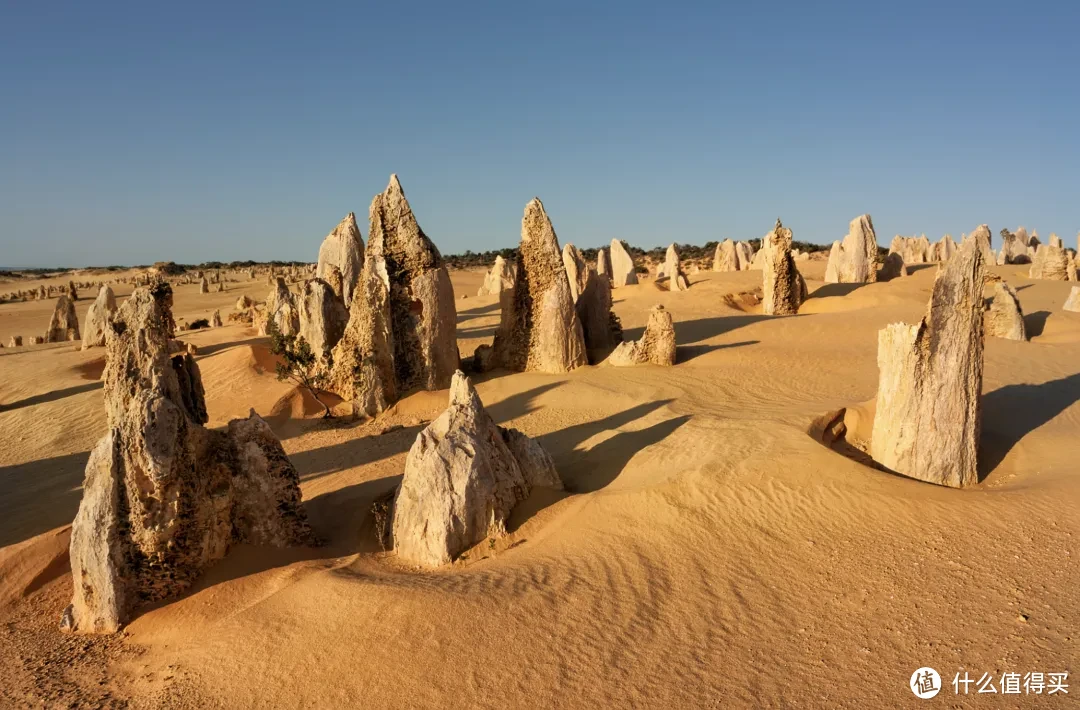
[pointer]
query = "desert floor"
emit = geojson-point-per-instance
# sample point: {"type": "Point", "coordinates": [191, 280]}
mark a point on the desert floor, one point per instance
{"type": "Point", "coordinates": [708, 552]}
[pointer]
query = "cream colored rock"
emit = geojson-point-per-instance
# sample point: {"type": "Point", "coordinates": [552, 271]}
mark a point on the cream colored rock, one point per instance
{"type": "Point", "coordinates": [322, 318]}
{"type": "Point", "coordinates": [603, 264]}
{"type": "Point", "coordinates": [401, 333]}
{"type": "Point", "coordinates": [1053, 264]}
{"type": "Point", "coordinates": [832, 267]}
{"type": "Point", "coordinates": [1071, 304]}
{"type": "Point", "coordinates": [165, 497]}
{"type": "Point", "coordinates": [745, 254]}
{"type": "Point", "coordinates": [1014, 248]}
{"type": "Point", "coordinates": [64, 324]}
{"type": "Point", "coordinates": [656, 346]}
{"type": "Point", "coordinates": [343, 249]}
{"type": "Point", "coordinates": [945, 248]}
{"type": "Point", "coordinates": [463, 477]}
{"type": "Point", "coordinates": [623, 272]}
{"type": "Point", "coordinates": [929, 391]}
{"type": "Point", "coordinates": [783, 286]}
{"type": "Point", "coordinates": [499, 279]}
{"type": "Point", "coordinates": [1004, 318]}
{"type": "Point", "coordinates": [726, 257]}
{"type": "Point", "coordinates": [281, 310]}
{"type": "Point", "coordinates": [204, 285]}
{"type": "Point", "coordinates": [577, 272]}
{"type": "Point", "coordinates": [981, 237]}
{"type": "Point", "coordinates": [1055, 241]}
{"type": "Point", "coordinates": [600, 326]}
{"type": "Point", "coordinates": [672, 271]}
{"type": "Point", "coordinates": [539, 329]}
{"type": "Point", "coordinates": [243, 303]}
{"type": "Point", "coordinates": [15, 342]}
{"type": "Point", "coordinates": [97, 318]}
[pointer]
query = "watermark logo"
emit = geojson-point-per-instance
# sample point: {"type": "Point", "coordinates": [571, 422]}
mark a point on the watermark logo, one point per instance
{"type": "Point", "coordinates": [925, 683]}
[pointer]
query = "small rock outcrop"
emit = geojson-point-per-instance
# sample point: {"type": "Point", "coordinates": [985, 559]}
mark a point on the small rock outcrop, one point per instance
{"type": "Point", "coordinates": [204, 285]}
{"type": "Point", "coordinates": [1004, 318]}
{"type": "Point", "coordinates": [783, 288]}
{"type": "Point", "coordinates": [164, 497]}
{"type": "Point", "coordinates": [64, 324]}
{"type": "Point", "coordinates": [945, 248]}
{"type": "Point", "coordinates": [343, 249]}
{"type": "Point", "coordinates": [97, 318]}
{"type": "Point", "coordinates": [1071, 304]}
{"type": "Point", "coordinates": [622, 265]}
{"type": "Point", "coordinates": [893, 267]}
{"type": "Point", "coordinates": [913, 250]}
{"type": "Point", "coordinates": [745, 252]}
{"type": "Point", "coordinates": [16, 341]}
{"type": "Point", "coordinates": [1014, 248]}
{"type": "Point", "coordinates": [243, 303]}
{"type": "Point", "coordinates": [281, 310]}
{"type": "Point", "coordinates": [930, 381]}
{"type": "Point", "coordinates": [1053, 264]}
{"type": "Point", "coordinates": [656, 346]}
{"type": "Point", "coordinates": [857, 259]}
{"type": "Point", "coordinates": [982, 238]}
{"type": "Point", "coordinates": [401, 333]}
{"type": "Point", "coordinates": [463, 477]}
{"type": "Point", "coordinates": [603, 264]}
{"type": "Point", "coordinates": [539, 329]}
{"type": "Point", "coordinates": [577, 271]}
{"type": "Point", "coordinates": [322, 318]}
{"type": "Point", "coordinates": [215, 320]}
{"type": "Point", "coordinates": [672, 270]}
{"type": "Point", "coordinates": [726, 257]}
{"type": "Point", "coordinates": [499, 279]}
{"type": "Point", "coordinates": [832, 266]}
{"type": "Point", "coordinates": [600, 327]}
{"type": "Point", "coordinates": [73, 293]}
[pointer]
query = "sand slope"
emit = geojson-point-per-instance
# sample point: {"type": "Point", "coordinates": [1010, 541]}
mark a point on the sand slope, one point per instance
{"type": "Point", "coordinates": [707, 552]}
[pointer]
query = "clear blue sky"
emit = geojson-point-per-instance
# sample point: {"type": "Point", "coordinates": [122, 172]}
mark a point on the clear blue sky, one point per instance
{"type": "Point", "coordinates": [133, 132]}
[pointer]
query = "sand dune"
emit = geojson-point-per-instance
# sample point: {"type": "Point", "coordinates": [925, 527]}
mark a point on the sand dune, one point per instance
{"type": "Point", "coordinates": [706, 553]}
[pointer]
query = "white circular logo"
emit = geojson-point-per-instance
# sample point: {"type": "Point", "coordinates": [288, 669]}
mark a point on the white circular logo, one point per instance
{"type": "Point", "coordinates": [925, 683]}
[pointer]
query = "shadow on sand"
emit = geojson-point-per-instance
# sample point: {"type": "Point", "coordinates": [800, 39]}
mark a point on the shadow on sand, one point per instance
{"type": "Point", "coordinates": [829, 290]}
{"type": "Point", "coordinates": [38, 496]}
{"type": "Point", "coordinates": [51, 396]}
{"type": "Point", "coordinates": [1035, 323]}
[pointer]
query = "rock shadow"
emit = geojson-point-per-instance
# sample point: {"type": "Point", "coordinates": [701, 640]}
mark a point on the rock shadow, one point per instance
{"type": "Point", "coordinates": [38, 496]}
{"type": "Point", "coordinates": [51, 396]}
{"type": "Point", "coordinates": [830, 290]}
{"type": "Point", "coordinates": [1035, 323]}
{"type": "Point", "coordinates": [1013, 411]}
{"type": "Point", "coordinates": [697, 331]}
{"type": "Point", "coordinates": [686, 353]}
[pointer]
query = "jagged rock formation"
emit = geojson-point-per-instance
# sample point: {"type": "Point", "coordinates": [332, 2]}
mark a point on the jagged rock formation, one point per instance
{"type": "Point", "coordinates": [726, 257]}
{"type": "Point", "coordinates": [64, 324]}
{"type": "Point", "coordinates": [463, 477]}
{"type": "Point", "coordinates": [539, 329]}
{"type": "Point", "coordinates": [603, 264]}
{"type": "Point", "coordinates": [1052, 263]}
{"type": "Point", "coordinates": [281, 310]}
{"type": "Point", "coordinates": [656, 346]}
{"type": "Point", "coordinates": [97, 318]}
{"type": "Point", "coordinates": [1014, 249]}
{"type": "Point", "coordinates": [499, 279]}
{"type": "Point", "coordinates": [204, 285]}
{"type": "Point", "coordinates": [243, 303]}
{"type": "Point", "coordinates": [343, 249]}
{"type": "Point", "coordinates": [672, 270]}
{"type": "Point", "coordinates": [73, 294]}
{"type": "Point", "coordinates": [928, 403]}
{"type": "Point", "coordinates": [857, 259]}
{"type": "Point", "coordinates": [1055, 241]}
{"type": "Point", "coordinates": [401, 333]}
{"type": "Point", "coordinates": [322, 318]}
{"type": "Point", "coordinates": [832, 267]}
{"type": "Point", "coordinates": [165, 497]}
{"type": "Point", "coordinates": [784, 288]}
{"type": "Point", "coordinates": [945, 248]}
{"type": "Point", "coordinates": [893, 267]}
{"type": "Point", "coordinates": [1004, 318]}
{"type": "Point", "coordinates": [745, 253]}
{"type": "Point", "coordinates": [913, 250]}
{"type": "Point", "coordinates": [622, 265]}
{"type": "Point", "coordinates": [215, 320]}
{"type": "Point", "coordinates": [15, 342]}
{"type": "Point", "coordinates": [577, 272]}
{"type": "Point", "coordinates": [981, 237]}
{"type": "Point", "coordinates": [600, 326]}
{"type": "Point", "coordinates": [1071, 304]}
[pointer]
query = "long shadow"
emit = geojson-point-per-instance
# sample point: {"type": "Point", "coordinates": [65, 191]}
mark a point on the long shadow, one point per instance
{"type": "Point", "coordinates": [829, 290]}
{"type": "Point", "coordinates": [480, 332]}
{"type": "Point", "coordinates": [51, 396]}
{"type": "Point", "coordinates": [37, 496]}
{"type": "Point", "coordinates": [686, 353]}
{"type": "Point", "coordinates": [463, 316]}
{"type": "Point", "coordinates": [219, 347]}
{"type": "Point", "coordinates": [1034, 323]}
{"type": "Point", "coordinates": [1021, 288]}
{"type": "Point", "coordinates": [1010, 413]}
{"type": "Point", "coordinates": [914, 268]}
{"type": "Point", "coordinates": [696, 331]}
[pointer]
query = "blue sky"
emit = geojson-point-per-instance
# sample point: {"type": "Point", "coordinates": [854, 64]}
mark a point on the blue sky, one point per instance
{"type": "Point", "coordinates": [133, 132]}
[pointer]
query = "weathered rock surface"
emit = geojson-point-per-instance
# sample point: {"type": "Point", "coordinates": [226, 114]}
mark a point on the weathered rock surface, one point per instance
{"type": "Point", "coordinates": [539, 329]}
{"type": "Point", "coordinates": [1014, 249]}
{"type": "Point", "coordinates": [322, 318]}
{"type": "Point", "coordinates": [1071, 304]}
{"type": "Point", "coordinates": [401, 333]}
{"type": "Point", "coordinates": [1052, 263]}
{"type": "Point", "coordinates": [165, 497]}
{"type": "Point", "coordinates": [913, 250]}
{"type": "Point", "coordinates": [600, 326]}
{"type": "Point", "coordinates": [97, 318]}
{"type": "Point", "coordinates": [499, 279]}
{"type": "Point", "coordinates": [343, 249]}
{"type": "Point", "coordinates": [783, 288]}
{"type": "Point", "coordinates": [15, 342]}
{"type": "Point", "coordinates": [204, 285]}
{"type": "Point", "coordinates": [945, 248]}
{"type": "Point", "coordinates": [893, 267]}
{"type": "Point", "coordinates": [463, 477]}
{"type": "Point", "coordinates": [745, 252]}
{"type": "Point", "coordinates": [930, 381]}
{"type": "Point", "coordinates": [672, 270]}
{"type": "Point", "coordinates": [64, 324]}
{"type": "Point", "coordinates": [656, 346]}
{"type": "Point", "coordinates": [1004, 318]}
{"type": "Point", "coordinates": [1055, 241]}
{"type": "Point", "coordinates": [857, 259]}
{"type": "Point", "coordinates": [215, 319]}
{"type": "Point", "coordinates": [981, 237]}
{"type": "Point", "coordinates": [281, 310]}
{"type": "Point", "coordinates": [603, 264]}
{"type": "Point", "coordinates": [577, 271]}
{"type": "Point", "coordinates": [726, 257]}
{"type": "Point", "coordinates": [622, 265]}
{"type": "Point", "coordinates": [243, 303]}
{"type": "Point", "coordinates": [832, 266]}
{"type": "Point", "coordinates": [73, 293]}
